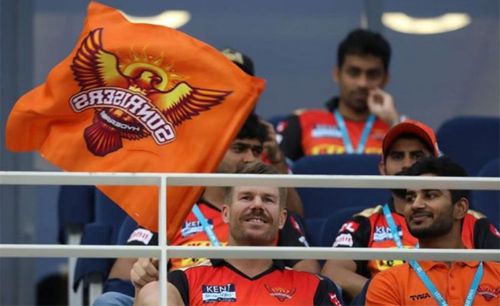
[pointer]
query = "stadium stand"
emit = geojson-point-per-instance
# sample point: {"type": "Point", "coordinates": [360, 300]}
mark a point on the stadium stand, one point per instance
{"type": "Point", "coordinates": [470, 141]}
{"type": "Point", "coordinates": [488, 201]}
{"type": "Point", "coordinates": [319, 203]}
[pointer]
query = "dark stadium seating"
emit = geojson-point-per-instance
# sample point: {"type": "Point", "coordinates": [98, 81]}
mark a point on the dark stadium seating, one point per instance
{"type": "Point", "coordinates": [488, 201]}
{"type": "Point", "coordinates": [470, 141]}
{"type": "Point", "coordinates": [335, 221]}
{"type": "Point", "coordinates": [319, 203]}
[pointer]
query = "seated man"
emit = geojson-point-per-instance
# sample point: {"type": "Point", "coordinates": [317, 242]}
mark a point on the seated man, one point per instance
{"type": "Point", "coordinates": [254, 216]}
{"type": "Point", "coordinates": [246, 148]}
{"type": "Point", "coordinates": [403, 145]}
{"type": "Point", "coordinates": [356, 120]}
{"type": "Point", "coordinates": [437, 217]}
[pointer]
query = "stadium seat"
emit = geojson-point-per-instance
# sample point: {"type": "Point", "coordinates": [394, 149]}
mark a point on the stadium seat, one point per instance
{"type": "Point", "coordinates": [75, 208]}
{"type": "Point", "coordinates": [488, 201]}
{"type": "Point", "coordinates": [321, 202]}
{"type": "Point", "coordinates": [91, 272]}
{"type": "Point", "coordinates": [471, 141]}
{"type": "Point", "coordinates": [335, 221]}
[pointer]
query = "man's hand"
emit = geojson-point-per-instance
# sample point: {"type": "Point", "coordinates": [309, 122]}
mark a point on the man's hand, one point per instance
{"type": "Point", "coordinates": [382, 105]}
{"type": "Point", "coordinates": [145, 270]}
{"type": "Point", "coordinates": [271, 147]}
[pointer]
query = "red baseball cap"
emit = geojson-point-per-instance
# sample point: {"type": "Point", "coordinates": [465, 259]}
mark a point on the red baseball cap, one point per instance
{"type": "Point", "coordinates": [417, 128]}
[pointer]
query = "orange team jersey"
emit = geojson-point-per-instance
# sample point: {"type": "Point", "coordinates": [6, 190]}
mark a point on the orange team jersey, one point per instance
{"type": "Point", "coordinates": [217, 282]}
{"type": "Point", "coordinates": [320, 134]}
{"type": "Point", "coordinates": [402, 286]}
{"type": "Point", "coordinates": [369, 228]}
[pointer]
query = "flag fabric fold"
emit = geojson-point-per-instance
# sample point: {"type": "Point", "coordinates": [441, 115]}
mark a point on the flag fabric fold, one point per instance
{"type": "Point", "coordinates": [135, 97]}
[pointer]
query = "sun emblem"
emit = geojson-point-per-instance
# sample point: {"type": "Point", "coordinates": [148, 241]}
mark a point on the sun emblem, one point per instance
{"type": "Point", "coordinates": [134, 96]}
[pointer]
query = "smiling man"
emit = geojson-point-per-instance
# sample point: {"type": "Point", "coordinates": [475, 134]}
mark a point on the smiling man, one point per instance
{"type": "Point", "coordinates": [437, 217]}
{"type": "Point", "coordinates": [255, 215]}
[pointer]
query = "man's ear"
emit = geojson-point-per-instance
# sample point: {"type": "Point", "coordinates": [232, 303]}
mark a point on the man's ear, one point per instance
{"type": "Point", "coordinates": [225, 213]}
{"type": "Point", "coordinates": [386, 79]}
{"type": "Point", "coordinates": [460, 208]}
{"type": "Point", "coordinates": [381, 168]}
{"type": "Point", "coordinates": [335, 74]}
{"type": "Point", "coordinates": [283, 215]}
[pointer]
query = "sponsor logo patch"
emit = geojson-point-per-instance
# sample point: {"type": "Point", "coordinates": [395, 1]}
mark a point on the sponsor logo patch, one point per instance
{"type": "Point", "coordinates": [218, 293]}
{"type": "Point", "coordinates": [280, 293]}
{"type": "Point", "coordinates": [383, 233]}
{"type": "Point", "coordinates": [494, 230]}
{"type": "Point", "coordinates": [351, 226]}
{"type": "Point", "coordinates": [488, 292]}
{"type": "Point", "coordinates": [190, 228]}
{"type": "Point", "coordinates": [421, 296]}
{"type": "Point", "coordinates": [321, 131]}
{"type": "Point", "coordinates": [343, 240]}
{"type": "Point", "coordinates": [141, 235]}
{"type": "Point", "coordinates": [334, 299]}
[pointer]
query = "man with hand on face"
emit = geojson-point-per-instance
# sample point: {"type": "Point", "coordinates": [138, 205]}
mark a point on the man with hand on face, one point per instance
{"type": "Point", "coordinates": [254, 216]}
{"type": "Point", "coordinates": [403, 145]}
{"type": "Point", "coordinates": [356, 121]}
{"type": "Point", "coordinates": [438, 218]}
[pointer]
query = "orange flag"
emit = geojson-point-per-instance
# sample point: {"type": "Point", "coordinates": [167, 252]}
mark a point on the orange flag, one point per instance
{"type": "Point", "coordinates": [134, 97]}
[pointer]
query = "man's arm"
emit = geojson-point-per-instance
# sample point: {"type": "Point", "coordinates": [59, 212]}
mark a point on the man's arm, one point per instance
{"type": "Point", "coordinates": [290, 137]}
{"type": "Point", "coordinates": [353, 233]}
{"type": "Point", "coordinates": [293, 234]}
{"type": "Point", "coordinates": [383, 290]}
{"type": "Point", "coordinates": [277, 159]}
{"type": "Point", "coordinates": [343, 273]}
{"type": "Point", "coordinates": [144, 271]}
{"type": "Point", "coordinates": [149, 295]}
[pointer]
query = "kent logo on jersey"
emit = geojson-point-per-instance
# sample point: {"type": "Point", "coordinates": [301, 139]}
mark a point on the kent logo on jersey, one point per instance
{"type": "Point", "coordinates": [190, 228]}
{"type": "Point", "coordinates": [383, 233]}
{"type": "Point", "coordinates": [218, 293]}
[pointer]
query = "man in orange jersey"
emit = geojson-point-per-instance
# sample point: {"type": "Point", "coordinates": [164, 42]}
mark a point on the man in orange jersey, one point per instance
{"type": "Point", "coordinates": [403, 145]}
{"type": "Point", "coordinates": [356, 120]}
{"type": "Point", "coordinates": [254, 215]}
{"type": "Point", "coordinates": [437, 218]}
{"type": "Point", "coordinates": [246, 148]}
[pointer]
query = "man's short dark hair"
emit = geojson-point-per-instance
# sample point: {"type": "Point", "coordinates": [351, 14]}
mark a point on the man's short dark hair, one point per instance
{"type": "Point", "coordinates": [441, 166]}
{"type": "Point", "coordinates": [257, 168]}
{"type": "Point", "coordinates": [253, 128]}
{"type": "Point", "coordinates": [364, 42]}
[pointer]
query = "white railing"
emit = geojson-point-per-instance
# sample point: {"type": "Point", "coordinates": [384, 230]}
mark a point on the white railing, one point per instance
{"type": "Point", "coordinates": [163, 251]}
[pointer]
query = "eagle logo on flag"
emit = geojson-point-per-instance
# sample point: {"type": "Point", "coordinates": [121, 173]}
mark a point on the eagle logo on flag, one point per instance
{"type": "Point", "coordinates": [132, 101]}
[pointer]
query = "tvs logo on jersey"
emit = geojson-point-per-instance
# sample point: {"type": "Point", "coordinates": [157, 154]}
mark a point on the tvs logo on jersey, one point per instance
{"type": "Point", "coordinates": [280, 293]}
{"type": "Point", "coordinates": [133, 96]}
{"type": "Point", "coordinates": [488, 292]}
{"type": "Point", "coordinates": [218, 293]}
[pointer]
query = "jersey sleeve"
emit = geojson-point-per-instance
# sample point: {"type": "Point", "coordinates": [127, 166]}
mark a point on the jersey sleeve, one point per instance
{"type": "Point", "coordinates": [382, 290]}
{"type": "Point", "coordinates": [327, 293]}
{"type": "Point", "coordinates": [290, 133]}
{"type": "Point", "coordinates": [142, 236]}
{"type": "Point", "coordinates": [179, 279]}
{"type": "Point", "coordinates": [354, 233]}
{"type": "Point", "coordinates": [292, 234]}
{"type": "Point", "coordinates": [486, 235]}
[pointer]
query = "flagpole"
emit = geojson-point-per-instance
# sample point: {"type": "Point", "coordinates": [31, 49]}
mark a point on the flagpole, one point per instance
{"type": "Point", "coordinates": [162, 230]}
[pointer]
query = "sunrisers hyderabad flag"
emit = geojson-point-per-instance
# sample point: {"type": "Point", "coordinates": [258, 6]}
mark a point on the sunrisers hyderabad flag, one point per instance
{"type": "Point", "coordinates": [135, 97]}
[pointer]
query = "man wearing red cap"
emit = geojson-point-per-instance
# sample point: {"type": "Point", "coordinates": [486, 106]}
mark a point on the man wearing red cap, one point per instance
{"type": "Point", "coordinates": [403, 145]}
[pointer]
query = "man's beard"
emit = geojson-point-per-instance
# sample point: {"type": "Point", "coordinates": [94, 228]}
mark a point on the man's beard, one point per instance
{"type": "Point", "coordinates": [438, 228]}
